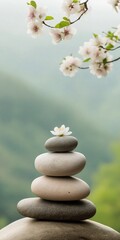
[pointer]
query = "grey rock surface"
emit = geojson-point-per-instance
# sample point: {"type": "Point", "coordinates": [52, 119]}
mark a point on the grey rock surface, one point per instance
{"type": "Point", "coordinates": [60, 164]}
{"type": "Point", "coordinates": [56, 211]}
{"type": "Point", "coordinates": [28, 229]}
{"type": "Point", "coordinates": [60, 188]}
{"type": "Point", "coordinates": [61, 144]}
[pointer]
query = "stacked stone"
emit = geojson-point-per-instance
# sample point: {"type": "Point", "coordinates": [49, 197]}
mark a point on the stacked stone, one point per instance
{"type": "Point", "coordinates": [60, 195]}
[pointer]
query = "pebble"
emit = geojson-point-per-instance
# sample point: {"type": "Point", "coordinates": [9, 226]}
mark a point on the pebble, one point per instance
{"type": "Point", "coordinates": [56, 211]}
{"type": "Point", "coordinates": [31, 229]}
{"type": "Point", "coordinates": [61, 144]}
{"type": "Point", "coordinates": [60, 188]}
{"type": "Point", "coordinates": [60, 164]}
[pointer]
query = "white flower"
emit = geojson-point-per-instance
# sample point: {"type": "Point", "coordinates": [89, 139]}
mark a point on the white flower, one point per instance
{"type": "Point", "coordinates": [115, 4]}
{"type": "Point", "coordinates": [110, 41]}
{"type": "Point", "coordinates": [41, 14]}
{"type": "Point", "coordinates": [71, 7]}
{"type": "Point", "coordinates": [85, 50]}
{"type": "Point", "coordinates": [82, 8]}
{"type": "Point", "coordinates": [34, 29]}
{"type": "Point", "coordinates": [65, 33]}
{"type": "Point", "coordinates": [70, 66]}
{"type": "Point", "coordinates": [101, 69]}
{"type": "Point", "coordinates": [117, 32]}
{"type": "Point", "coordinates": [61, 131]}
{"type": "Point", "coordinates": [98, 41]}
{"type": "Point", "coordinates": [68, 32]}
{"type": "Point", "coordinates": [31, 13]}
{"type": "Point", "coordinates": [56, 35]}
{"type": "Point", "coordinates": [36, 14]}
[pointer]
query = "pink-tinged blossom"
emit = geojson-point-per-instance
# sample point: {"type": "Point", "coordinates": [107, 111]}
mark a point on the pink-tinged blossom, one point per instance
{"type": "Point", "coordinates": [70, 65]}
{"type": "Point", "coordinates": [57, 35]}
{"type": "Point", "coordinates": [61, 131]}
{"type": "Point", "coordinates": [71, 7]}
{"type": "Point", "coordinates": [97, 54]}
{"type": "Point", "coordinates": [115, 4]}
{"type": "Point", "coordinates": [65, 33]}
{"type": "Point", "coordinates": [98, 41]}
{"type": "Point", "coordinates": [31, 16]}
{"type": "Point", "coordinates": [68, 32]}
{"type": "Point", "coordinates": [101, 69]}
{"type": "Point", "coordinates": [34, 29]}
{"type": "Point", "coordinates": [86, 50]}
{"type": "Point", "coordinates": [36, 14]}
{"type": "Point", "coordinates": [41, 14]}
{"type": "Point", "coordinates": [82, 8]}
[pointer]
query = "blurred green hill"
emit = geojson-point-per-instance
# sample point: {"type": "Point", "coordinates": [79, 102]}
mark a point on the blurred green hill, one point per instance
{"type": "Point", "coordinates": [26, 117]}
{"type": "Point", "coordinates": [106, 191]}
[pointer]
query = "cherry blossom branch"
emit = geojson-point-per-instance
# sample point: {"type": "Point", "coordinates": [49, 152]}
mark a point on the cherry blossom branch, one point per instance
{"type": "Point", "coordinates": [72, 22]}
{"type": "Point", "coordinates": [47, 25]}
{"type": "Point", "coordinates": [86, 9]}
{"type": "Point", "coordinates": [112, 49]}
{"type": "Point", "coordinates": [38, 15]}
{"type": "Point", "coordinates": [84, 68]}
{"type": "Point", "coordinates": [114, 60]}
{"type": "Point", "coordinates": [95, 52]}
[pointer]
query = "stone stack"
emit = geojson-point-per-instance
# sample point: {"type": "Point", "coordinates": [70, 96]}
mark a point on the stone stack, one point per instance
{"type": "Point", "coordinates": [60, 196]}
{"type": "Point", "coordinates": [60, 206]}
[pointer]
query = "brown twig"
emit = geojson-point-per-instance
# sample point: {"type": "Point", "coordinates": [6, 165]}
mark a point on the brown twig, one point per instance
{"type": "Point", "coordinates": [112, 49]}
{"type": "Point", "coordinates": [72, 22]}
{"type": "Point", "coordinates": [114, 60]}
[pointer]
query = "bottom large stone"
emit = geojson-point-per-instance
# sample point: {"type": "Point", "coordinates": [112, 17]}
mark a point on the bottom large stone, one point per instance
{"type": "Point", "coordinates": [29, 229]}
{"type": "Point", "coordinates": [56, 211]}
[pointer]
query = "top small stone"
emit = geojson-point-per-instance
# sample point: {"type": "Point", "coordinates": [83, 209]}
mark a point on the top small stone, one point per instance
{"type": "Point", "coordinates": [61, 144]}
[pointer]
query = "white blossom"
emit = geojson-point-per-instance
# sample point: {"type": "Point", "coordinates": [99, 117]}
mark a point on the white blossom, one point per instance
{"type": "Point", "coordinates": [65, 33]}
{"type": "Point", "coordinates": [70, 66]}
{"type": "Point", "coordinates": [34, 29]}
{"type": "Point", "coordinates": [71, 7]}
{"type": "Point", "coordinates": [82, 8]}
{"type": "Point", "coordinates": [115, 4]}
{"type": "Point", "coordinates": [56, 35]}
{"type": "Point", "coordinates": [61, 131]}
{"type": "Point", "coordinates": [31, 16]}
{"type": "Point", "coordinates": [85, 50]}
{"type": "Point", "coordinates": [36, 14]}
{"type": "Point", "coordinates": [98, 41]}
{"type": "Point", "coordinates": [101, 69]}
{"type": "Point", "coordinates": [41, 14]}
{"type": "Point", "coordinates": [68, 32]}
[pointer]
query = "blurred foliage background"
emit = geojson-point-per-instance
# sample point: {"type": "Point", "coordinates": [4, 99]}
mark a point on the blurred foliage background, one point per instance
{"type": "Point", "coordinates": [35, 97]}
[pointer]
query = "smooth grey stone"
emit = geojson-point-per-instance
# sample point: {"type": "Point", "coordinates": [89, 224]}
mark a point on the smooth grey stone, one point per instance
{"type": "Point", "coordinates": [60, 164]}
{"type": "Point", "coordinates": [29, 229]}
{"type": "Point", "coordinates": [56, 211]}
{"type": "Point", "coordinates": [60, 188]}
{"type": "Point", "coordinates": [61, 144]}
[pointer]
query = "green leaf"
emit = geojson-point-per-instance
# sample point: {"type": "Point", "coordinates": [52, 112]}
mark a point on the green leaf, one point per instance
{"type": "Point", "coordinates": [95, 35]}
{"type": "Point", "coordinates": [66, 19]}
{"type": "Point", "coordinates": [104, 61]}
{"type": "Point", "coordinates": [32, 3]}
{"type": "Point", "coordinates": [87, 60]}
{"type": "Point", "coordinates": [49, 18]}
{"type": "Point", "coordinates": [109, 46]}
{"type": "Point", "coordinates": [110, 35]}
{"type": "Point", "coordinates": [62, 24]}
{"type": "Point", "coordinates": [75, 1]}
